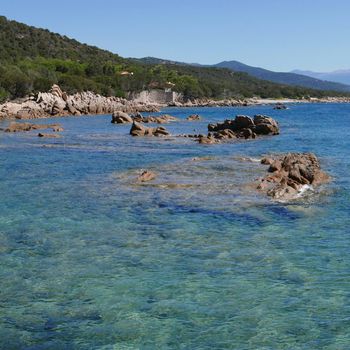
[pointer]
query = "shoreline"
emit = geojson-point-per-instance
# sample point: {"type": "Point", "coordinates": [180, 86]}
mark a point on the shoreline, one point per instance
{"type": "Point", "coordinates": [57, 103]}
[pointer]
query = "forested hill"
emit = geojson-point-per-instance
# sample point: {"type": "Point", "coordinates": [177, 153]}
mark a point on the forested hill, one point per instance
{"type": "Point", "coordinates": [33, 59]}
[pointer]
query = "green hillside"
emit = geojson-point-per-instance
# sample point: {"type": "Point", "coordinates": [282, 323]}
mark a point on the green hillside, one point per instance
{"type": "Point", "coordinates": [33, 59]}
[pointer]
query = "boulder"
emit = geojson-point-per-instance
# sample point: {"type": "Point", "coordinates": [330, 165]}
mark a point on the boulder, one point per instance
{"type": "Point", "coordinates": [58, 107]}
{"type": "Point", "coordinates": [56, 91]}
{"type": "Point", "coordinates": [119, 117]}
{"type": "Point", "coordinates": [243, 122]}
{"type": "Point", "coordinates": [265, 125]}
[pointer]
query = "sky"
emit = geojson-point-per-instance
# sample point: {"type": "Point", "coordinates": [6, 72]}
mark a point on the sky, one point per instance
{"type": "Point", "coordinates": [280, 35]}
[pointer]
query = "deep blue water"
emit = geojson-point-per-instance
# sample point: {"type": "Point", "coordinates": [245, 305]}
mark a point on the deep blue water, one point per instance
{"type": "Point", "coordinates": [91, 260]}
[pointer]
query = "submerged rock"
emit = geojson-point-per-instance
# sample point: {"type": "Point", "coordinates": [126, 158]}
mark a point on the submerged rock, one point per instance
{"type": "Point", "coordinates": [48, 135]}
{"type": "Point", "coordinates": [289, 175]}
{"type": "Point", "coordinates": [208, 140]}
{"type": "Point", "coordinates": [280, 106]}
{"type": "Point", "coordinates": [146, 175]}
{"type": "Point", "coordinates": [57, 129]}
{"type": "Point", "coordinates": [22, 127]}
{"type": "Point", "coordinates": [194, 117]}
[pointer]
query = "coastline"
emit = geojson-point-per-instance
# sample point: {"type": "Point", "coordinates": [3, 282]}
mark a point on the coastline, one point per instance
{"type": "Point", "coordinates": [57, 103]}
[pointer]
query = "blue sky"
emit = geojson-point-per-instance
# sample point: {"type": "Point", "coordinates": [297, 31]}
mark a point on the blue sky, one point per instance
{"type": "Point", "coordinates": [279, 35]}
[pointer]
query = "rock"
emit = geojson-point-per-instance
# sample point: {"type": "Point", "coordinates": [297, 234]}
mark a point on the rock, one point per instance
{"type": "Point", "coordinates": [283, 192]}
{"type": "Point", "coordinates": [280, 106]}
{"type": "Point", "coordinates": [48, 135]}
{"type": "Point", "coordinates": [261, 125]}
{"type": "Point", "coordinates": [57, 102]}
{"type": "Point", "coordinates": [161, 119]}
{"type": "Point", "coordinates": [57, 129]}
{"type": "Point", "coordinates": [160, 131]}
{"type": "Point", "coordinates": [137, 117]}
{"type": "Point", "coordinates": [247, 133]}
{"type": "Point", "coordinates": [20, 127]}
{"type": "Point", "coordinates": [267, 160]}
{"type": "Point", "coordinates": [193, 117]}
{"type": "Point", "coordinates": [119, 117]}
{"type": "Point", "coordinates": [290, 174]}
{"type": "Point", "coordinates": [146, 175]}
{"type": "Point", "coordinates": [71, 109]}
{"type": "Point", "coordinates": [138, 129]}
{"type": "Point", "coordinates": [58, 107]}
{"type": "Point", "coordinates": [243, 122]}
{"type": "Point", "coordinates": [244, 127]}
{"type": "Point", "coordinates": [227, 124]}
{"type": "Point", "coordinates": [224, 134]}
{"type": "Point", "coordinates": [56, 91]}
{"type": "Point", "coordinates": [265, 125]}
{"type": "Point", "coordinates": [207, 140]}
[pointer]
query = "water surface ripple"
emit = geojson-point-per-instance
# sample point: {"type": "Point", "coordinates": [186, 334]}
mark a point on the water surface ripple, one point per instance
{"type": "Point", "coordinates": [89, 260]}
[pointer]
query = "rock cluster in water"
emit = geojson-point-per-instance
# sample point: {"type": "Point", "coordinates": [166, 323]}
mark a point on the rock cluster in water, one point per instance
{"type": "Point", "coordinates": [289, 175]}
{"type": "Point", "coordinates": [138, 129]}
{"type": "Point", "coordinates": [22, 127]}
{"type": "Point", "coordinates": [240, 127]}
{"type": "Point", "coordinates": [124, 118]}
{"type": "Point", "coordinates": [58, 103]}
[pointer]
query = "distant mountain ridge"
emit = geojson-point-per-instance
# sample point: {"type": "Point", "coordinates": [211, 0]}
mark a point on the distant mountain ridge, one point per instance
{"type": "Point", "coordinates": [340, 76]}
{"type": "Point", "coordinates": [286, 78]}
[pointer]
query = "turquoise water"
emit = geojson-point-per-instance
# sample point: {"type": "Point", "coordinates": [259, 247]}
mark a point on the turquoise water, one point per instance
{"type": "Point", "coordinates": [91, 260]}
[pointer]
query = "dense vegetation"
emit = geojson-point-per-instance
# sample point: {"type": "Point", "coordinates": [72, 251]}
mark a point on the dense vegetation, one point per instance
{"type": "Point", "coordinates": [33, 59]}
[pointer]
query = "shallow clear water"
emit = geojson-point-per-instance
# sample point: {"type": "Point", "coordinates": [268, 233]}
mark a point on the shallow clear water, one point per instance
{"type": "Point", "coordinates": [90, 260]}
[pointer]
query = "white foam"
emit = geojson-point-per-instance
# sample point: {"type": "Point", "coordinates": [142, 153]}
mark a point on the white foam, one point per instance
{"type": "Point", "coordinates": [303, 189]}
{"type": "Point", "coordinates": [255, 160]}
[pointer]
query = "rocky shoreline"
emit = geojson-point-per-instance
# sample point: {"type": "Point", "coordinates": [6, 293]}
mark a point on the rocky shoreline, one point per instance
{"type": "Point", "coordinates": [56, 103]}
{"type": "Point", "coordinates": [254, 101]}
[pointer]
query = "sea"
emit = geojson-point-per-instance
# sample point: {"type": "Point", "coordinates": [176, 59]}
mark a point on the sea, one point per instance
{"type": "Point", "coordinates": [90, 258]}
